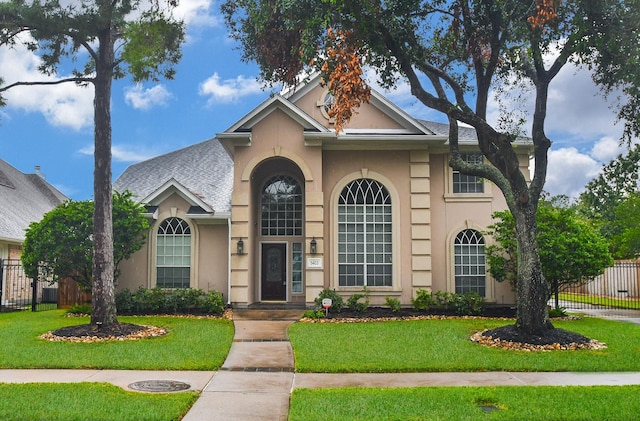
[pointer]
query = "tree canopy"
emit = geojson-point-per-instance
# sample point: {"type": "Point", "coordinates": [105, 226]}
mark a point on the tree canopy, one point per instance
{"type": "Point", "coordinates": [611, 202]}
{"type": "Point", "coordinates": [102, 40]}
{"type": "Point", "coordinates": [61, 244]}
{"type": "Point", "coordinates": [572, 252]}
{"type": "Point", "coordinates": [455, 54]}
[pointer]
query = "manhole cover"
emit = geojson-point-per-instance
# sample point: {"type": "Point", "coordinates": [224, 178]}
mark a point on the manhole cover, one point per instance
{"type": "Point", "coordinates": [159, 386]}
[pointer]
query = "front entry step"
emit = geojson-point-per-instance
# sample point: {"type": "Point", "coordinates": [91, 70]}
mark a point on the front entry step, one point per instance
{"type": "Point", "coordinates": [267, 314]}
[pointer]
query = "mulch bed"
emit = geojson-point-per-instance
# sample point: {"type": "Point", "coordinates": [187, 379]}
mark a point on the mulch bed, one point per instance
{"type": "Point", "coordinates": [117, 332]}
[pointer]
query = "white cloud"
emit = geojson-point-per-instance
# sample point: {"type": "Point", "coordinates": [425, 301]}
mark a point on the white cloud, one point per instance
{"type": "Point", "coordinates": [607, 148]}
{"type": "Point", "coordinates": [144, 99]}
{"type": "Point", "coordinates": [63, 105]}
{"type": "Point", "coordinates": [197, 13]}
{"type": "Point", "coordinates": [569, 170]}
{"type": "Point", "coordinates": [229, 90]}
{"type": "Point", "coordinates": [122, 153]}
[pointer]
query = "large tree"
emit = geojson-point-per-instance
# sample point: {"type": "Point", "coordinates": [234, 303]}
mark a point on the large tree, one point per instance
{"type": "Point", "coordinates": [610, 201]}
{"type": "Point", "coordinates": [454, 54]}
{"type": "Point", "coordinates": [572, 251]}
{"type": "Point", "coordinates": [119, 37]}
{"type": "Point", "coordinates": [61, 244]}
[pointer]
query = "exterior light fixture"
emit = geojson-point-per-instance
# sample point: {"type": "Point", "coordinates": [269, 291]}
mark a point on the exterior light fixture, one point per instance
{"type": "Point", "coordinates": [313, 246]}
{"type": "Point", "coordinates": [240, 247]}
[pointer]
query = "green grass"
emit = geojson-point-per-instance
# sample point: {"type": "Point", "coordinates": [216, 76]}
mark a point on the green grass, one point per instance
{"type": "Point", "coordinates": [89, 401]}
{"type": "Point", "coordinates": [191, 344]}
{"type": "Point", "coordinates": [465, 403]}
{"type": "Point", "coordinates": [599, 300]}
{"type": "Point", "coordinates": [444, 345]}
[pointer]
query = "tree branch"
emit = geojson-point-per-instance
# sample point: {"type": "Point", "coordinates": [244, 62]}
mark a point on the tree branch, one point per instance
{"type": "Point", "coordinates": [43, 83]}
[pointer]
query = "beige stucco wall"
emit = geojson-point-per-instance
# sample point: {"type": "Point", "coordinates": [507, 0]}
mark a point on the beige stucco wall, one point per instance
{"type": "Point", "coordinates": [209, 252]}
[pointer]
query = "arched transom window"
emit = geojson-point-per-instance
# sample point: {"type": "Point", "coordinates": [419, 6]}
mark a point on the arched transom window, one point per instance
{"type": "Point", "coordinates": [281, 207]}
{"type": "Point", "coordinates": [173, 254]}
{"type": "Point", "coordinates": [470, 262]}
{"type": "Point", "coordinates": [364, 235]}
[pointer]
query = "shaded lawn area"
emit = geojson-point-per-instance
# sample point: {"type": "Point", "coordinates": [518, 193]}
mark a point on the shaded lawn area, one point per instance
{"type": "Point", "coordinates": [191, 344]}
{"type": "Point", "coordinates": [444, 345]}
{"type": "Point", "coordinates": [566, 403]}
{"type": "Point", "coordinates": [89, 401]}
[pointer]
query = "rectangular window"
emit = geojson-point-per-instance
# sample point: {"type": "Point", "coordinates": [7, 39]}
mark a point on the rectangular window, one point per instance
{"type": "Point", "coordinates": [463, 183]}
{"type": "Point", "coordinates": [296, 268]}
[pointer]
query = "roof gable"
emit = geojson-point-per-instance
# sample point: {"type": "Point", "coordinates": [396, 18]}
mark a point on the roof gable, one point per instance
{"type": "Point", "coordinates": [24, 198]}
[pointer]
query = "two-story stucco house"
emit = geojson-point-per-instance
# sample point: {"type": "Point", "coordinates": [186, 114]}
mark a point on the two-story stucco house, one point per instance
{"type": "Point", "coordinates": [279, 206]}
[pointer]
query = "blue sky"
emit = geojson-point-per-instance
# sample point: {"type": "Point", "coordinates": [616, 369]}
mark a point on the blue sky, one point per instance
{"type": "Point", "coordinates": [53, 127]}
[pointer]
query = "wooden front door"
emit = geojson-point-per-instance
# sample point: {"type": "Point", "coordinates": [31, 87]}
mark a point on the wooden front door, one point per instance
{"type": "Point", "coordinates": [274, 271]}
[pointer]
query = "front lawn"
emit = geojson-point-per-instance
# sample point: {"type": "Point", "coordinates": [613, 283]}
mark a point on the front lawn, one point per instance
{"type": "Point", "coordinates": [567, 403]}
{"type": "Point", "coordinates": [444, 345]}
{"type": "Point", "coordinates": [89, 401]}
{"type": "Point", "coordinates": [191, 344]}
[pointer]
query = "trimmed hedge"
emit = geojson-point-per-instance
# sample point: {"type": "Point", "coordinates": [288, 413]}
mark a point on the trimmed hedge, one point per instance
{"type": "Point", "coordinates": [175, 301]}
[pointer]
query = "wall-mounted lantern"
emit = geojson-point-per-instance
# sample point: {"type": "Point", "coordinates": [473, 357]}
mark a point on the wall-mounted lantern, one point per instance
{"type": "Point", "coordinates": [240, 247]}
{"type": "Point", "coordinates": [313, 246]}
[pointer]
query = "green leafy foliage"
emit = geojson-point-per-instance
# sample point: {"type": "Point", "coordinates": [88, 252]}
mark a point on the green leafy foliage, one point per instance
{"type": "Point", "coordinates": [393, 304]}
{"type": "Point", "coordinates": [611, 202]}
{"type": "Point", "coordinates": [177, 301]}
{"type": "Point", "coordinates": [359, 302]}
{"type": "Point", "coordinates": [470, 303]}
{"type": "Point", "coordinates": [572, 252]}
{"type": "Point", "coordinates": [337, 303]}
{"type": "Point", "coordinates": [61, 244]}
{"type": "Point", "coordinates": [83, 309]}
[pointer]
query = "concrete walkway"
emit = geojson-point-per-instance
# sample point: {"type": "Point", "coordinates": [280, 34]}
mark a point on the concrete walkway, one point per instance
{"type": "Point", "coordinates": [258, 376]}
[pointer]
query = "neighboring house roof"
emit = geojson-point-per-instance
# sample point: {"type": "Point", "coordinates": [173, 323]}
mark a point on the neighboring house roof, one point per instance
{"type": "Point", "coordinates": [201, 173]}
{"type": "Point", "coordinates": [24, 198]}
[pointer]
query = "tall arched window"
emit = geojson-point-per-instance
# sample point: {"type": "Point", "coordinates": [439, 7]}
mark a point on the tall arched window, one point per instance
{"type": "Point", "coordinates": [281, 207]}
{"type": "Point", "coordinates": [173, 254]}
{"type": "Point", "coordinates": [364, 235]}
{"type": "Point", "coordinates": [470, 262]}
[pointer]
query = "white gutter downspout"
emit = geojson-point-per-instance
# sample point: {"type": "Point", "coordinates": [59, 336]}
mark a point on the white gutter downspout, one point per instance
{"type": "Point", "coordinates": [229, 261]}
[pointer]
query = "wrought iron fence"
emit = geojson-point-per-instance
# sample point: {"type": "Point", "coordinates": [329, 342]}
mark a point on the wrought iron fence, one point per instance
{"type": "Point", "coordinates": [18, 292]}
{"type": "Point", "coordinates": [617, 288]}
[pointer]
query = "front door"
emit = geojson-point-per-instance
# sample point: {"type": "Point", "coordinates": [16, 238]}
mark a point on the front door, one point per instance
{"type": "Point", "coordinates": [274, 271]}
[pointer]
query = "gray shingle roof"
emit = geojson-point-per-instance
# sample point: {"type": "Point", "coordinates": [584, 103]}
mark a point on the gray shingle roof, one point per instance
{"type": "Point", "coordinates": [24, 198]}
{"type": "Point", "coordinates": [465, 134]}
{"type": "Point", "coordinates": [205, 169]}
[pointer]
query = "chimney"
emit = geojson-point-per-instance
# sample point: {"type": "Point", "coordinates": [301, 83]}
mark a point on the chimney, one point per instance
{"type": "Point", "coordinates": [39, 174]}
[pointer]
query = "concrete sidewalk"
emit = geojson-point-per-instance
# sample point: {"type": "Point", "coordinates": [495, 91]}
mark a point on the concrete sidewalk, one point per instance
{"type": "Point", "coordinates": [257, 378]}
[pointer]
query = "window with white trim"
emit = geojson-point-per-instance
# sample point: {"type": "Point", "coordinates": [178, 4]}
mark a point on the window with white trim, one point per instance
{"type": "Point", "coordinates": [364, 235]}
{"type": "Point", "coordinates": [463, 183]}
{"type": "Point", "coordinates": [470, 263]}
{"type": "Point", "coordinates": [173, 259]}
{"type": "Point", "coordinates": [281, 207]}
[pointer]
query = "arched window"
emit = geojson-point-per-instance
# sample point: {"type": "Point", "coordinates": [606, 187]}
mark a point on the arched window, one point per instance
{"type": "Point", "coordinates": [364, 235]}
{"type": "Point", "coordinates": [281, 207]}
{"type": "Point", "coordinates": [173, 254]}
{"type": "Point", "coordinates": [470, 262]}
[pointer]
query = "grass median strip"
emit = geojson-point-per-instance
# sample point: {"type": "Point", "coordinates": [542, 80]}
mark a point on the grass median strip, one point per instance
{"type": "Point", "coordinates": [444, 345]}
{"type": "Point", "coordinates": [567, 403]}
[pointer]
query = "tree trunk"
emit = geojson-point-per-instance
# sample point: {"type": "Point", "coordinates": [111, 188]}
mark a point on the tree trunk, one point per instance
{"type": "Point", "coordinates": [103, 300]}
{"type": "Point", "coordinates": [532, 289]}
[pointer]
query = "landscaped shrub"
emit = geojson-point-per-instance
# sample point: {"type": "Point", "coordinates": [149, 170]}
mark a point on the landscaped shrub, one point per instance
{"type": "Point", "coordinates": [393, 304]}
{"type": "Point", "coordinates": [161, 301]}
{"type": "Point", "coordinates": [422, 300]}
{"type": "Point", "coordinates": [313, 314]}
{"type": "Point", "coordinates": [355, 304]}
{"type": "Point", "coordinates": [79, 309]}
{"type": "Point", "coordinates": [468, 304]}
{"type": "Point", "coordinates": [336, 300]}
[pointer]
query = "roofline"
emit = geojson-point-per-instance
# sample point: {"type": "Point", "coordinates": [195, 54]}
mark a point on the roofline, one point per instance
{"type": "Point", "coordinates": [182, 190]}
{"type": "Point", "coordinates": [262, 111]}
